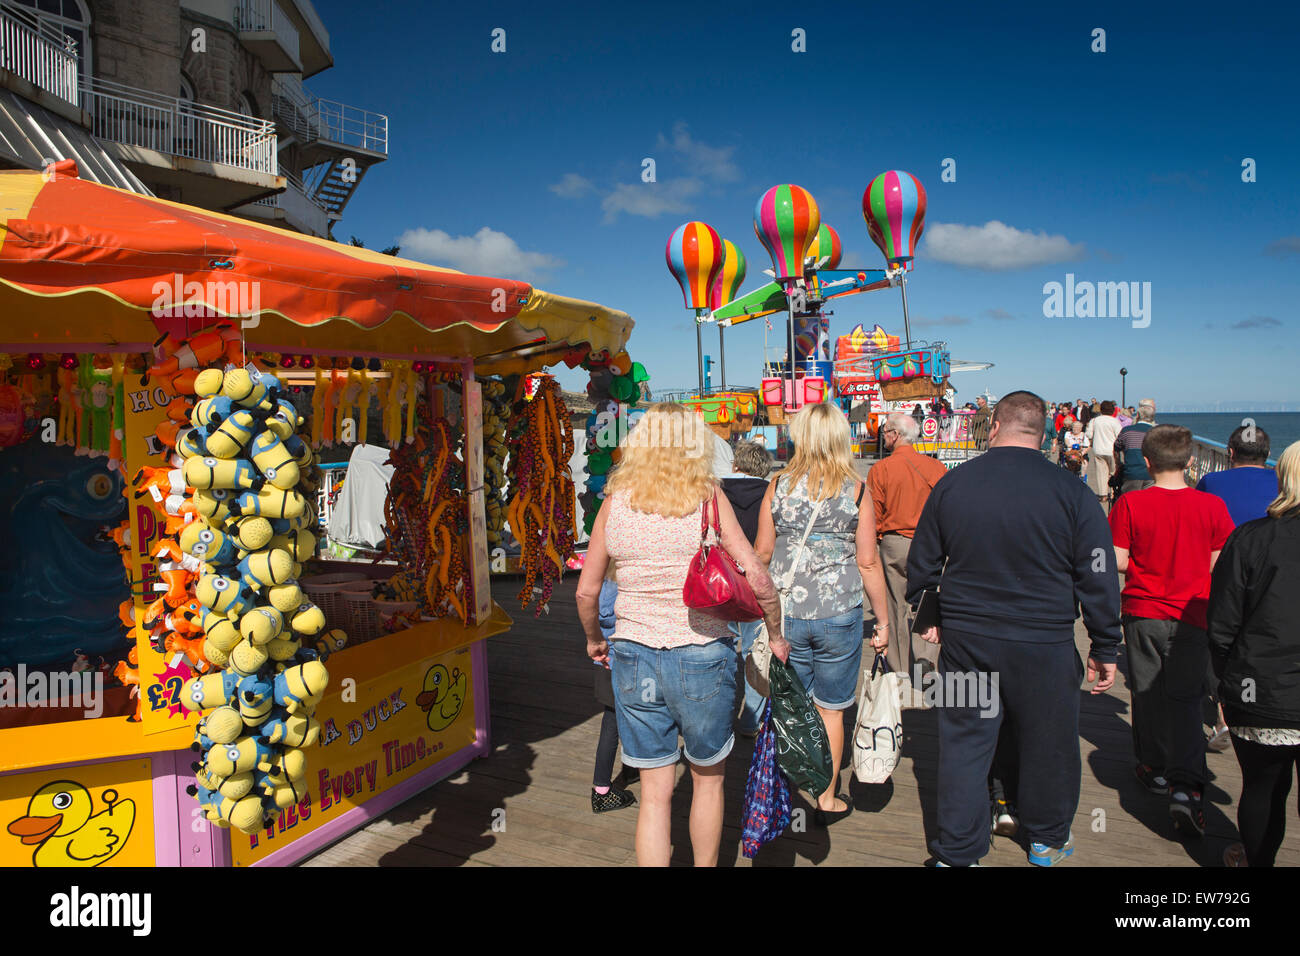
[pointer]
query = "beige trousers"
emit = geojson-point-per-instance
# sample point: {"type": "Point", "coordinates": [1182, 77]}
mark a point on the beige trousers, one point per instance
{"type": "Point", "coordinates": [905, 648]}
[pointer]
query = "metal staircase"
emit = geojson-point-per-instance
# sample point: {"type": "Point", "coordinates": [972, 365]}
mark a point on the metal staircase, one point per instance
{"type": "Point", "coordinates": [331, 185]}
{"type": "Point", "coordinates": [335, 143]}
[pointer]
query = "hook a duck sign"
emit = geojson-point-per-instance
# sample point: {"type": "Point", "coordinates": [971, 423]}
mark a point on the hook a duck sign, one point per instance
{"type": "Point", "coordinates": [97, 815]}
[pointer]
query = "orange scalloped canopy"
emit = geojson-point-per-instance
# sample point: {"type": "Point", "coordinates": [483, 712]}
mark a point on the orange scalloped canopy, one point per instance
{"type": "Point", "coordinates": [83, 263]}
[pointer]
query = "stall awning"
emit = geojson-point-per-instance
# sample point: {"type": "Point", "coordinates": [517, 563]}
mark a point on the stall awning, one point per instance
{"type": "Point", "coordinates": [30, 136]}
{"type": "Point", "coordinates": [84, 263]}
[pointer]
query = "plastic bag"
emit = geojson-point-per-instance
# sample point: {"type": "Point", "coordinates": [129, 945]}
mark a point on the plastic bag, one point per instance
{"type": "Point", "coordinates": [801, 750]}
{"type": "Point", "coordinates": [878, 736]}
{"type": "Point", "coordinates": [767, 797]}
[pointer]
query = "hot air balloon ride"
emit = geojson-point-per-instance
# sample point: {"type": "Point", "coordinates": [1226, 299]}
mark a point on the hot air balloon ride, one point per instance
{"type": "Point", "coordinates": [725, 287]}
{"type": "Point", "coordinates": [806, 270]}
{"type": "Point", "coordinates": [786, 221]}
{"type": "Point", "coordinates": [894, 207]}
{"type": "Point", "coordinates": [694, 254]}
{"type": "Point", "coordinates": [826, 243]}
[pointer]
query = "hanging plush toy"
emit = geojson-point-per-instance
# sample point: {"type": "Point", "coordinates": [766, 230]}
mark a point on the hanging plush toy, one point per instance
{"type": "Point", "coordinates": [332, 395]}
{"type": "Point", "coordinates": [96, 398]}
{"type": "Point", "coordinates": [251, 508]}
{"type": "Point", "coordinates": [318, 409]}
{"type": "Point", "coordinates": [119, 412]}
{"type": "Point", "coordinates": [69, 408]}
{"type": "Point", "coordinates": [173, 356]}
{"type": "Point", "coordinates": [128, 675]}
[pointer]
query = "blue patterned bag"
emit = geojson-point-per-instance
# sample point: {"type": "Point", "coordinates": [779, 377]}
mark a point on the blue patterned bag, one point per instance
{"type": "Point", "coordinates": [767, 797]}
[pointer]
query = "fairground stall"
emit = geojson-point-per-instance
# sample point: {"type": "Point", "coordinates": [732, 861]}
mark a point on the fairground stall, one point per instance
{"type": "Point", "coordinates": [182, 680]}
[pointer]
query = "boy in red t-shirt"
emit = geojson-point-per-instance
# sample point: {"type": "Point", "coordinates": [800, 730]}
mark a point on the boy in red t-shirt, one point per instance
{"type": "Point", "coordinates": [1167, 538]}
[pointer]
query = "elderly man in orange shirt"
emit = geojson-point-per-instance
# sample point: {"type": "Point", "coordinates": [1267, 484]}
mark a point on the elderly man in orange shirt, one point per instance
{"type": "Point", "coordinates": [899, 487]}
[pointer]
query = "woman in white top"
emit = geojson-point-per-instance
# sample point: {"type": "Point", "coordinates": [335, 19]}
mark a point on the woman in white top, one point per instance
{"type": "Point", "coordinates": [673, 669]}
{"type": "Point", "coordinates": [1074, 449]}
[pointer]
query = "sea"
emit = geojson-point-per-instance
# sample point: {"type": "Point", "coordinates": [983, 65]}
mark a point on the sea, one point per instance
{"type": "Point", "coordinates": [1283, 428]}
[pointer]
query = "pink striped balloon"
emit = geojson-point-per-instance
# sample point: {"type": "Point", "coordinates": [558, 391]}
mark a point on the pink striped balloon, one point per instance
{"type": "Point", "coordinates": [894, 208]}
{"type": "Point", "coordinates": [786, 220]}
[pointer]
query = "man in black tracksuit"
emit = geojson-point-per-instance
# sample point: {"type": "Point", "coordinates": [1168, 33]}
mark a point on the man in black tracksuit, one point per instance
{"type": "Point", "coordinates": [1016, 546]}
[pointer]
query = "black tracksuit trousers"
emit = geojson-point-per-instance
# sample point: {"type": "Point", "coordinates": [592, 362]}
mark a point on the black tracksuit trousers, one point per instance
{"type": "Point", "coordinates": [1038, 688]}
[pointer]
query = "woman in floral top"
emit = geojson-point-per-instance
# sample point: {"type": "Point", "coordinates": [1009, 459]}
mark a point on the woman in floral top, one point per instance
{"type": "Point", "coordinates": [823, 605]}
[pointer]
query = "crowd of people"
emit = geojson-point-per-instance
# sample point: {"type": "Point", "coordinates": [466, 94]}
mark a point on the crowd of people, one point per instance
{"type": "Point", "coordinates": [1205, 612]}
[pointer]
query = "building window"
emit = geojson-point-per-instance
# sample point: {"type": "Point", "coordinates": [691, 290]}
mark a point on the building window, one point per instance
{"type": "Point", "coordinates": [185, 144]}
{"type": "Point", "coordinates": [70, 18]}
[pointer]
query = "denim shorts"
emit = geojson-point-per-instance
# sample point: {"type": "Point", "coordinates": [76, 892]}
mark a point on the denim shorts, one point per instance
{"type": "Point", "coordinates": [826, 654]}
{"type": "Point", "coordinates": [661, 693]}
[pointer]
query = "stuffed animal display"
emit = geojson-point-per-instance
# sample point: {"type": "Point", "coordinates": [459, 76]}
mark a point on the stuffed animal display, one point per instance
{"type": "Point", "coordinates": [237, 489]}
{"type": "Point", "coordinates": [496, 413]}
{"type": "Point", "coordinates": [615, 389]}
{"type": "Point", "coordinates": [541, 507]}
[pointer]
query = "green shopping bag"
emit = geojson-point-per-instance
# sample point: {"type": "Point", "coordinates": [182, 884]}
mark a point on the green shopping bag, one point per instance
{"type": "Point", "coordinates": [802, 753]}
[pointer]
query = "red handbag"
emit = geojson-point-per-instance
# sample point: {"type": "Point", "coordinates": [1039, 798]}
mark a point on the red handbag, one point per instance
{"type": "Point", "coordinates": [715, 584]}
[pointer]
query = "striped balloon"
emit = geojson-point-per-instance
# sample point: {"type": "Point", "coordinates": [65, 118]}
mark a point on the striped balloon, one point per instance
{"type": "Point", "coordinates": [730, 276]}
{"type": "Point", "coordinates": [826, 243]}
{"type": "Point", "coordinates": [894, 207]}
{"type": "Point", "coordinates": [786, 220]}
{"type": "Point", "coordinates": [694, 256]}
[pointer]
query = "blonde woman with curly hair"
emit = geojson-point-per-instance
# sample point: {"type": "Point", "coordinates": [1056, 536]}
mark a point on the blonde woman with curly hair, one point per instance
{"type": "Point", "coordinates": [674, 670]}
{"type": "Point", "coordinates": [819, 496]}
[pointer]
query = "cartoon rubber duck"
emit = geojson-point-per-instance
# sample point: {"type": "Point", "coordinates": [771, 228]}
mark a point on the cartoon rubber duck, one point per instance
{"type": "Point", "coordinates": [443, 696]}
{"type": "Point", "coordinates": [60, 823]}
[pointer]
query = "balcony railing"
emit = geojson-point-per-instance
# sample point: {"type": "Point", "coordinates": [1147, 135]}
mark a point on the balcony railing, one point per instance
{"type": "Point", "coordinates": [38, 53]}
{"type": "Point", "coordinates": [134, 117]}
{"type": "Point", "coordinates": [312, 119]}
{"type": "Point", "coordinates": [266, 16]}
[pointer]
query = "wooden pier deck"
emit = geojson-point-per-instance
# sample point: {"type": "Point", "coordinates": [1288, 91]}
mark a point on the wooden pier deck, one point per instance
{"type": "Point", "coordinates": [529, 804]}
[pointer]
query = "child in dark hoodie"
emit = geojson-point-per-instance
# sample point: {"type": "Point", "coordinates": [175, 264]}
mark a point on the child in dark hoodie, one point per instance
{"type": "Point", "coordinates": [745, 488]}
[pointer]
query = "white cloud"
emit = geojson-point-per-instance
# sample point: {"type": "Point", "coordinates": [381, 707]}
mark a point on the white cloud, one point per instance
{"type": "Point", "coordinates": [1287, 245]}
{"type": "Point", "coordinates": [487, 252]}
{"type": "Point", "coordinates": [1257, 322]}
{"type": "Point", "coordinates": [650, 199]}
{"type": "Point", "coordinates": [572, 186]}
{"type": "Point", "coordinates": [996, 246]}
{"type": "Point", "coordinates": [710, 162]}
{"type": "Point", "coordinates": [1001, 314]}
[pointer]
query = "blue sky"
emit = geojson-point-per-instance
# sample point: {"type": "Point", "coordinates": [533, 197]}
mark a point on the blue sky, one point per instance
{"type": "Point", "coordinates": [1122, 166]}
